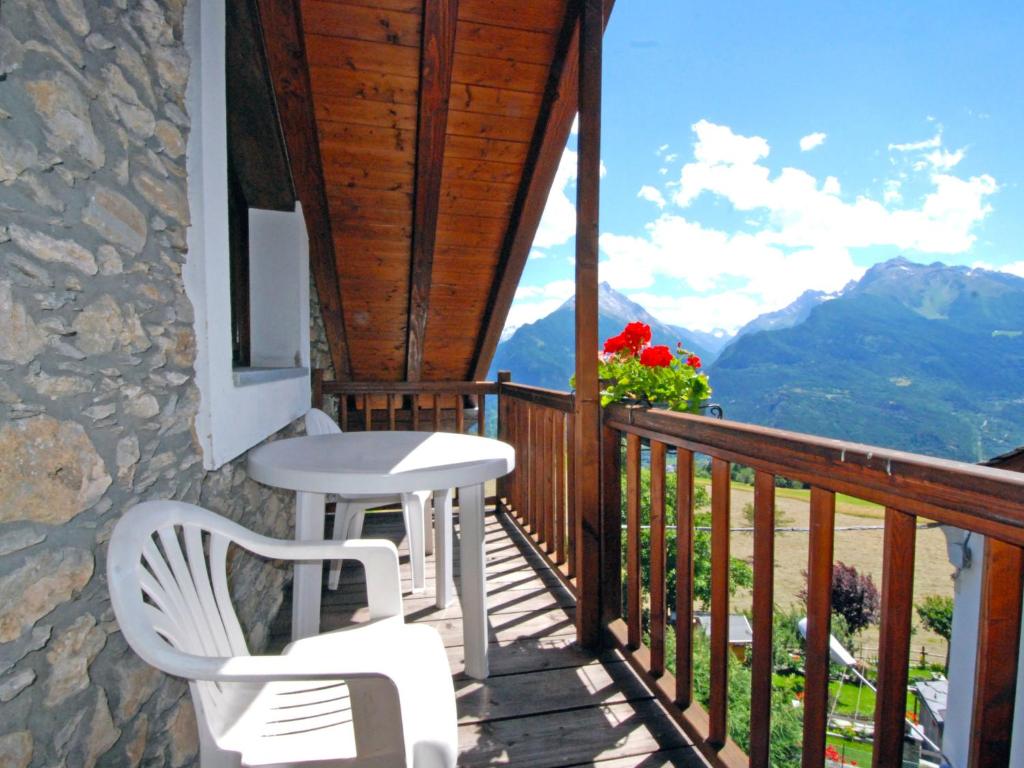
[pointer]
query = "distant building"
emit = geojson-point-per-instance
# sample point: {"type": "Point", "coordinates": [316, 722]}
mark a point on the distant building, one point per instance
{"type": "Point", "coordinates": [741, 635]}
{"type": "Point", "coordinates": [931, 696]}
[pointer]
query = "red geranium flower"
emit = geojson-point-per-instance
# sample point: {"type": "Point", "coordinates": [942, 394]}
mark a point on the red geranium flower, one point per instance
{"type": "Point", "coordinates": [656, 357]}
{"type": "Point", "coordinates": [693, 361]}
{"type": "Point", "coordinates": [616, 344]}
{"type": "Point", "coordinates": [637, 335]}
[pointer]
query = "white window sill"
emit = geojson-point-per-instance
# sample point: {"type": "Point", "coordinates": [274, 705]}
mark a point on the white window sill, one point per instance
{"type": "Point", "coordinates": [244, 377]}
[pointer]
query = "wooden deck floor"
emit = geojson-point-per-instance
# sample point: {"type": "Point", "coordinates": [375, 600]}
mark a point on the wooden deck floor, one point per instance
{"type": "Point", "coordinates": [547, 703]}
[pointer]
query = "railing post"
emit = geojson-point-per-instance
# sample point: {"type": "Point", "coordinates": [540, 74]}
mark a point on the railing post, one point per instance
{"type": "Point", "coordinates": [588, 488]}
{"type": "Point", "coordinates": [504, 377]}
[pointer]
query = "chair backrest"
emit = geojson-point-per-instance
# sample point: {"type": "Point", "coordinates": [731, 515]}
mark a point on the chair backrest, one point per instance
{"type": "Point", "coordinates": [319, 423]}
{"type": "Point", "coordinates": [167, 576]}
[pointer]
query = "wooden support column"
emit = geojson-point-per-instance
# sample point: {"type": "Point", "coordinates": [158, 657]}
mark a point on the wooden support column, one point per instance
{"type": "Point", "coordinates": [286, 55]}
{"type": "Point", "coordinates": [437, 51]}
{"type": "Point", "coordinates": [587, 406]}
{"type": "Point", "coordinates": [995, 683]}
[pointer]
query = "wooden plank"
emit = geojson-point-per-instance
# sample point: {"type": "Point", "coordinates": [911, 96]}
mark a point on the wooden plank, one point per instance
{"type": "Point", "coordinates": [718, 705]}
{"type": "Point", "coordinates": [683, 695]}
{"type": "Point", "coordinates": [657, 566]}
{"type": "Point", "coordinates": [531, 46]}
{"type": "Point", "coordinates": [570, 495]}
{"type": "Point", "coordinates": [894, 642]}
{"type": "Point", "coordinates": [599, 733]}
{"type": "Point", "coordinates": [289, 68]}
{"type": "Point", "coordinates": [762, 664]}
{"type": "Point", "coordinates": [819, 624]}
{"type": "Point", "coordinates": [550, 132]}
{"type": "Point", "coordinates": [436, 57]}
{"type": "Point", "coordinates": [562, 549]}
{"type": "Point", "coordinates": [355, 22]}
{"type": "Point", "coordinates": [547, 691]}
{"type": "Point", "coordinates": [496, 102]}
{"type": "Point", "coordinates": [995, 680]}
{"type": "Point", "coordinates": [633, 588]}
{"type": "Point", "coordinates": [550, 531]}
{"type": "Point", "coordinates": [541, 17]}
{"type": "Point", "coordinates": [386, 88]}
{"type": "Point", "coordinates": [510, 74]}
{"type": "Point", "coordinates": [360, 111]}
{"type": "Point", "coordinates": [360, 55]}
{"type": "Point", "coordinates": [495, 150]}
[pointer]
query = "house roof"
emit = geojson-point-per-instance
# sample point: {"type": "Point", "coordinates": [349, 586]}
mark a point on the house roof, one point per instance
{"type": "Point", "coordinates": [933, 693]}
{"type": "Point", "coordinates": [1012, 460]}
{"type": "Point", "coordinates": [440, 126]}
{"type": "Point", "coordinates": [740, 631]}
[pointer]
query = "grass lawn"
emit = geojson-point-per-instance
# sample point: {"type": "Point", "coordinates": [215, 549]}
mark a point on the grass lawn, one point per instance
{"type": "Point", "coordinates": [848, 699]}
{"type": "Point", "coordinates": [852, 752]}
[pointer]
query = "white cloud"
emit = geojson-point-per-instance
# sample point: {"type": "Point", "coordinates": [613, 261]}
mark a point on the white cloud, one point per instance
{"type": "Point", "coordinates": [535, 255]}
{"type": "Point", "coordinates": [802, 234]}
{"type": "Point", "coordinates": [651, 194]}
{"type": "Point", "coordinates": [914, 146]}
{"type": "Point", "coordinates": [558, 224]}
{"type": "Point", "coordinates": [532, 302]}
{"type": "Point", "coordinates": [812, 140]}
{"type": "Point", "coordinates": [575, 129]}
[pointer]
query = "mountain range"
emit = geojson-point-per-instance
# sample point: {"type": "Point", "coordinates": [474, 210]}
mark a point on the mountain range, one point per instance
{"type": "Point", "coordinates": [926, 358]}
{"type": "Point", "coordinates": [542, 353]}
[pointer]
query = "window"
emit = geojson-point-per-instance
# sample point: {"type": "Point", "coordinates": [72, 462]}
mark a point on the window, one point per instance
{"type": "Point", "coordinates": [243, 401]}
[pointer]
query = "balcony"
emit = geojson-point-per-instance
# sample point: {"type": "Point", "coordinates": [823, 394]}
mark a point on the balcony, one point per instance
{"type": "Point", "coordinates": [560, 696]}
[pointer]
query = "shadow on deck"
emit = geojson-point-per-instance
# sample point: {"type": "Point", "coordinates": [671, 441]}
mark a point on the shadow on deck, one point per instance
{"type": "Point", "coordinates": [547, 702]}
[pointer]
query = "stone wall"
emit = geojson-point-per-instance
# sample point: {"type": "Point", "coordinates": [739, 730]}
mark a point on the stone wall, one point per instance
{"type": "Point", "coordinates": [97, 400]}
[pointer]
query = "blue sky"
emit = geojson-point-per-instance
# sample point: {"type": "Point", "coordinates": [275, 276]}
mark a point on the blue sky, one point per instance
{"type": "Point", "coordinates": [753, 151]}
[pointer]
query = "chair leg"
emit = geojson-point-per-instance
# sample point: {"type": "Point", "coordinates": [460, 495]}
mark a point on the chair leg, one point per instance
{"type": "Point", "coordinates": [413, 512]}
{"type": "Point", "coordinates": [428, 521]}
{"type": "Point", "coordinates": [342, 518]}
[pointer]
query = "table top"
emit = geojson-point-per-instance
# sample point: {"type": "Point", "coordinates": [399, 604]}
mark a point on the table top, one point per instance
{"type": "Point", "coordinates": [380, 462]}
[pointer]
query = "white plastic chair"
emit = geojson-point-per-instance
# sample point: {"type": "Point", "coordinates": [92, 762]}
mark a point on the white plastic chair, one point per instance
{"type": "Point", "coordinates": [376, 694]}
{"type": "Point", "coordinates": [350, 512]}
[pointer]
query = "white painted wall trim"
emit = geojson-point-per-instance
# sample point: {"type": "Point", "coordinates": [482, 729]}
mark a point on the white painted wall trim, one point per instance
{"type": "Point", "coordinates": [233, 416]}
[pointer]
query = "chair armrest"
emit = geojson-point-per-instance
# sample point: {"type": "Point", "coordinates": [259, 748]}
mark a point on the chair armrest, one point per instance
{"type": "Point", "coordinates": [378, 556]}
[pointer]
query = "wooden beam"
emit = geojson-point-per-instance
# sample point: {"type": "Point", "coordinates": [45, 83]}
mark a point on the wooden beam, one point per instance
{"type": "Point", "coordinates": [554, 121]}
{"type": "Point", "coordinates": [588, 405]}
{"type": "Point", "coordinates": [995, 683]}
{"type": "Point", "coordinates": [286, 56]}
{"type": "Point", "coordinates": [437, 52]}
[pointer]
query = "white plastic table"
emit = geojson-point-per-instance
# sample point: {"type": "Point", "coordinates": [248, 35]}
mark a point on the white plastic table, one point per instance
{"type": "Point", "coordinates": [392, 463]}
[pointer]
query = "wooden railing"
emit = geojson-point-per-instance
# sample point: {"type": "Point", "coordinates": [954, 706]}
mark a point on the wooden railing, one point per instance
{"type": "Point", "coordinates": [540, 495]}
{"type": "Point", "coordinates": [539, 424]}
{"type": "Point", "coordinates": [450, 406]}
{"type": "Point", "coordinates": [979, 499]}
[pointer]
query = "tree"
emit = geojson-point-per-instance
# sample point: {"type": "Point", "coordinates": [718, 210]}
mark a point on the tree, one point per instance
{"type": "Point", "coordinates": [854, 597]}
{"type": "Point", "coordinates": [936, 613]}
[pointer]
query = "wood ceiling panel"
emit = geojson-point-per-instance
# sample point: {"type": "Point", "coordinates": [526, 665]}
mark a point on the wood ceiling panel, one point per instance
{"type": "Point", "coordinates": [324, 51]}
{"type": "Point", "coordinates": [345, 211]}
{"type": "Point", "coordinates": [493, 208]}
{"type": "Point", "coordinates": [369, 136]}
{"type": "Point", "coordinates": [494, 150]}
{"type": "Point", "coordinates": [494, 101]}
{"type": "Point", "coordinates": [365, 112]}
{"type": "Point", "coordinates": [372, 198]}
{"type": "Point", "coordinates": [377, 252]}
{"type": "Point", "coordinates": [499, 73]}
{"type": "Point", "coordinates": [480, 190]}
{"type": "Point", "coordinates": [402, 6]}
{"type": "Point", "coordinates": [363, 84]}
{"type": "Point", "coordinates": [386, 160]}
{"type": "Point", "coordinates": [489, 126]}
{"type": "Point", "coordinates": [481, 170]}
{"type": "Point", "coordinates": [529, 46]}
{"type": "Point", "coordinates": [365, 178]}
{"type": "Point", "coordinates": [536, 16]}
{"type": "Point", "coordinates": [354, 21]}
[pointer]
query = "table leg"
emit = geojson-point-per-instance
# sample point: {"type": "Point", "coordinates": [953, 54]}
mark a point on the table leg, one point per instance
{"type": "Point", "coordinates": [413, 504]}
{"type": "Point", "coordinates": [444, 582]}
{"type": "Point", "coordinates": [309, 526]}
{"type": "Point", "coordinates": [473, 580]}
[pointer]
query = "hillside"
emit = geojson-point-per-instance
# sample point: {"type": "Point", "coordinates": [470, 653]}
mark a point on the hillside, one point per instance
{"type": "Point", "coordinates": [543, 353]}
{"type": "Point", "coordinates": [927, 358]}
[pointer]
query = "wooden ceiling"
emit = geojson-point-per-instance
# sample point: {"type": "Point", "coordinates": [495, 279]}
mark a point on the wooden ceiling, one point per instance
{"type": "Point", "coordinates": [440, 125]}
